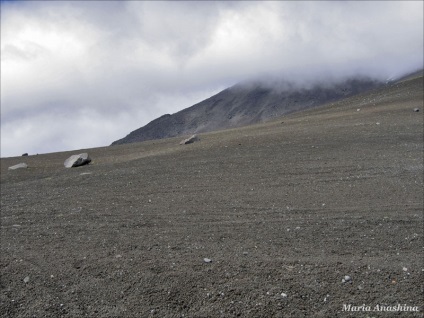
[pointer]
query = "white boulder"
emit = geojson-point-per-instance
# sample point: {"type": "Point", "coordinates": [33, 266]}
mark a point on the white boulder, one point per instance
{"type": "Point", "coordinates": [77, 160]}
{"type": "Point", "coordinates": [19, 166]}
{"type": "Point", "coordinates": [189, 140]}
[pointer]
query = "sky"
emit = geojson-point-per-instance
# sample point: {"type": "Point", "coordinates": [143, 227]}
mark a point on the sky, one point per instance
{"type": "Point", "coordinates": [82, 74]}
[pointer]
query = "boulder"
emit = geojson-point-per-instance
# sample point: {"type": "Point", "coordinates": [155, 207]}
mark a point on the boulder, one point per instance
{"type": "Point", "coordinates": [25, 154]}
{"type": "Point", "coordinates": [77, 160]}
{"type": "Point", "coordinates": [18, 166]}
{"type": "Point", "coordinates": [189, 140]}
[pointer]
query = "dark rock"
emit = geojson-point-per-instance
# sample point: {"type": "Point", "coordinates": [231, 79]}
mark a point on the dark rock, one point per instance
{"type": "Point", "coordinates": [77, 160]}
{"type": "Point", "coordinates": [25, 154]}
{"type": "Point", "coordinates": [416, 110]}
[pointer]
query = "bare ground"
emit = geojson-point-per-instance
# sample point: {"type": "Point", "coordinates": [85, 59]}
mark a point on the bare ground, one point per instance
{"type": "Point", "coordinates": [284, 211]}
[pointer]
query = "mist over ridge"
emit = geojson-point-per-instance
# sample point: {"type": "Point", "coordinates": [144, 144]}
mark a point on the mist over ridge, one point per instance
{"type": "Point", "coordinates": [250, 102]}
{"type": "Point", "coordinates": [107, 67]}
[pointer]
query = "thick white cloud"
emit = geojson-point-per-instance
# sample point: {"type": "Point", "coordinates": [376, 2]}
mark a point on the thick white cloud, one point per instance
{"type": "Point", "coordinates": [83, 74]}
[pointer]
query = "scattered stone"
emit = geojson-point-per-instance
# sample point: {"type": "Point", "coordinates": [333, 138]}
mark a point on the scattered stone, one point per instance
{"type": "Point", "coordinates": [25, 154]}
{"type": "Point", "coordinates": [189, 140]}
{"type": "Point", "coordinates": [77, 160]}
{"type": "Point", "coordinates": [207, 260]}
{"type": "Point", "coordinates": [346, 279]}
{"type": "Point", "coordinates": [26, 279]}
{"type": "Point", "coordinates": [245, 253]}
{"type": "Point", "coordinates": [358, 110]}
{"type": "Point", "coordinates": [416, 110]}
{"type": "Point", "coordinates": [405, 269]}
{"type": "Point", "coordinates": [284, 295]}
{"type": "Point", "coordinates": [19, 166]}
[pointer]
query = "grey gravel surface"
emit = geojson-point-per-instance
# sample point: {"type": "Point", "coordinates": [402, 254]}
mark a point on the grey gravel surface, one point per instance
{"type": "Point", "coordinates": [285, 210]}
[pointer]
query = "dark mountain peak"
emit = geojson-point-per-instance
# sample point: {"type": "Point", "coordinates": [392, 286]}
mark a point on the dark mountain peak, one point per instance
{"type": "Point", "coordinates": [248, 103]}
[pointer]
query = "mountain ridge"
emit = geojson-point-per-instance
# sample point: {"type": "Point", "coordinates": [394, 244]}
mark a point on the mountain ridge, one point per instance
{"type": "Point", "coordinates": [245, 104]}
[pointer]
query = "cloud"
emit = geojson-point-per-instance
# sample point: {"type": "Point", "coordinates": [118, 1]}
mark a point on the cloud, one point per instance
{"type": "Point", "coordinates": [108, 67]}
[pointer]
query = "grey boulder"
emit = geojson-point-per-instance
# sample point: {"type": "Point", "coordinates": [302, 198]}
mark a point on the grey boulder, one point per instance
{"type": "Point", "coordinates": [189, 140]}
{"type": "Point", "coordinates": [18, 166]}
{"type": "Point", "coordinates": [77, 160]}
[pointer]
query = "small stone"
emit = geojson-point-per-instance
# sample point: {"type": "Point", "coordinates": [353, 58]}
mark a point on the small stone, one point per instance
{"type": "Point", "coordinates": [284, 295]}
{"type": "Point", "coordinates": [207, 260]}
{"type": "Point", "coordinates": [245, 253]}
{"type": "Point", "coordinates": [416, 110]}
{"type": "Point", "coordinates": [346, 279]}
{"type": "Point", "coordinates": [25, 154]}
{"type": "Point", "coordinates": [405, 269]}
{"type": "Point", "coordinates": [26, 279]}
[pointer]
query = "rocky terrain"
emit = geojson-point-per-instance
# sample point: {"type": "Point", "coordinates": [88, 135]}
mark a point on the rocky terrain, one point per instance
{"type": "Point", "coordinates": [315, 214]}
{"type": "Point", "coordinates": [245, 104]}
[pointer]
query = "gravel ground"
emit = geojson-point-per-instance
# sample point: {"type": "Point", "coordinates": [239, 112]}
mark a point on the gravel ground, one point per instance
{"type": "Point", "coordinates": [261, 221]}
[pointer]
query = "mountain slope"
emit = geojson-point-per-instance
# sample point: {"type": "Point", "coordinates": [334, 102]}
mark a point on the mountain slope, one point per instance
{"type": "Point", "coordinates": [278, 208]}
{"type": "Point", "coordinates": [245, 104]}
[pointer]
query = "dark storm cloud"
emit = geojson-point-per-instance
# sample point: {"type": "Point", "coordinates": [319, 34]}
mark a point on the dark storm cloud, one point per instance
{"type": "Point", "coordinates": [108, 67]}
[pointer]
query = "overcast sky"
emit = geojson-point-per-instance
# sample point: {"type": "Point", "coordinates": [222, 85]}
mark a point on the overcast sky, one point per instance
{"type": "Point", "coordinates": [83, 74]}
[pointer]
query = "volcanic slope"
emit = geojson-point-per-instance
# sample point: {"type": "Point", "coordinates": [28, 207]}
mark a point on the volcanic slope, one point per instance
{"type": "Point", "coordinates": [245, 104]}
{"type": "Point", "coordinates": [284, 210]}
